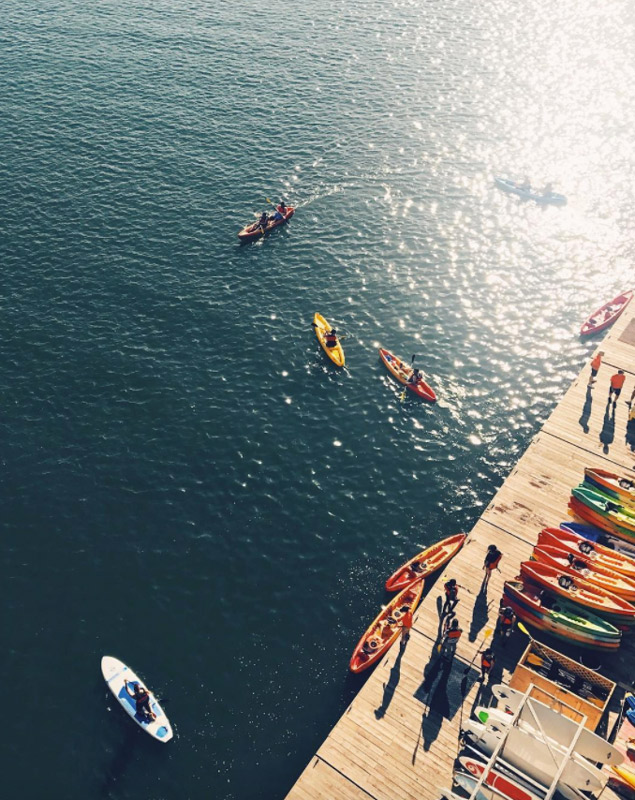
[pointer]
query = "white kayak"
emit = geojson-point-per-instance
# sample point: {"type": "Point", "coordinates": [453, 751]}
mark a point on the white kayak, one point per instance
{"type": "Point", "coordinates": [557, 727]}
{"type": "Point", "coordinates": [534, 758]}
{"type": "Point", "coordinates": [552, 198]}
{"type": "Point", "coordinates": [115, 672]}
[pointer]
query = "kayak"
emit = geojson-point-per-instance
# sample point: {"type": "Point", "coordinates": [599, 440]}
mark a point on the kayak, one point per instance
{"type": "Point", "coordinates": [321, 328]}
{"type": "Point", "coordinates": [385, 628]}
{"type": "Point", "coordinates": [593, 516]}
{"type": "Point", "coordinates": [253, 231]}
{"type": "Point", "coordinates": [627, 775]}
{"type": "Point", "coordinates": [560, 618]}
{"type": "Point", "coordinates": [591, 571]}
{"type": "Point", "coordinates": [579, 591]}
{"type": "Point", "coordinates": [609, 542]}
{"type": "Point", "coordinates": [428, 561]}
{"type": "Point", "coordinates": [114, 672]}
{"type": "Point", "coordinates": [606, 314]}
{"type": "Point", "coordinates": [402, 372]}
{"type": "Point", "coordinates": [620, 515]}
{"type": "Point", "coordinates": [567, 538]}
{"type": "Point", "coordinates": [514, 187]}
{"type": "Point", "coordinates": [620, 487]}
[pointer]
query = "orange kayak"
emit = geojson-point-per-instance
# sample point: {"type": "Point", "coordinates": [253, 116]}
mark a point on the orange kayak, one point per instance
{"type": "Point", "coordinates": [579, 591]}
{"type": "Point", "coordinates": [426, 562]}
{"type": "Point", "coordinates": [402, 372]}
{"type": "Point", "coordinates": [385, 628]}
{"type": "Point", "coordinates": [606, 314]}
{"type": "Point", "coordinates": [599, 555]}
{"type": "Point", "coordinates": [585, 568]}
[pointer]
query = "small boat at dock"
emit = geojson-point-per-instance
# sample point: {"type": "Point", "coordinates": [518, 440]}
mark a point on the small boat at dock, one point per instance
{"type": "Point", "coordinates": [426, 562]}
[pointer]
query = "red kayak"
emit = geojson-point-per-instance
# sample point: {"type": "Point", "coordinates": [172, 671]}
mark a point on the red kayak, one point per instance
{"type": "Point", "coordinates": [425, 563]}
{"type": "Point", "coordinates": [252, 232]}
{"type": "Point", "coordinates": [402, 372]}
{"type": "Point", "coordinates": [607, 314]}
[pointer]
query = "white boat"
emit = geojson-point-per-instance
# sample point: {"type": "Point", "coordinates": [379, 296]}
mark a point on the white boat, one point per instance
{"type": "Point", "coordinates": [539, 760]}
{"type": "Point", "coordinates": [551, 198]}
{"type": "Point", "coordinates": [559, 728]}
{"type": "Point", "coordinates": [115, 674]}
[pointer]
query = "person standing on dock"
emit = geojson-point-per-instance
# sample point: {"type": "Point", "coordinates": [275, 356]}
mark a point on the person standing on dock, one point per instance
{"type": "Point", "coordinates": [595, 366]}
{"type": "Point", "coordinates": [450, 640]}
{"type": "Point", "coordinates": [451, 589]}
{"type": "Point", "coordinates": [492, 560]}
{"type": "Point", "coordinates": [488, 659]}
{"type": "Point", "coordinates": [406, 625]}
{"type": "Point", "coordinates": [617, 381]}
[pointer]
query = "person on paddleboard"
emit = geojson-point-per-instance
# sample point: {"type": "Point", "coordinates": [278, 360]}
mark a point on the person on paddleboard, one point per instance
{"type": "Point", "coordinates": [142, 700]}
{"type": "Point", "coordinates": [330, 337]}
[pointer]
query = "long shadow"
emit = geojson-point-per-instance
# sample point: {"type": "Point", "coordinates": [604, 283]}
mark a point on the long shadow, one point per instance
{"type": "Point", "coordinates": [586, 411]}
{"type": "Point", "coordinates": [607, 434]}
{"type": "Point", "coordinates": [391, 684]}
{"type": "Point", "coordinates": [438, 706]}
{"type": "Point", "coordinates": [479, 614]}
{"type": "Point", "coordinates": [630, 433]}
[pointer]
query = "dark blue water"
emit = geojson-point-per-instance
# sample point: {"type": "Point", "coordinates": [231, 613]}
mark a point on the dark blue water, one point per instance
{"type": "Point", "coordinates": [187, 483]}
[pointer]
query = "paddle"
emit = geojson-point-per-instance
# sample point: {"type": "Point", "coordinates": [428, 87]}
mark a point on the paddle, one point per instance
{"type": "Point", "coordinates": [403, 394]}
{"type": "Point", "coordinates": [486, 635]}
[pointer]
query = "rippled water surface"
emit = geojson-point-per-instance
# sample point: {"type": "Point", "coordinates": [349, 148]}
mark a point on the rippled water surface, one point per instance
{"type": "Point", "coordinates": [187, 483]}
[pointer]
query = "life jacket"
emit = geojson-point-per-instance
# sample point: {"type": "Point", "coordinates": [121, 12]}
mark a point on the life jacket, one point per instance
{"type": "Point", "coordinates": [407, 620]}
{"type": "Point", "coordinates": [281, 210]}
{"type": "Point", "coordinates": [487, 662]}
{"type": "Point", "coordinates": [595, 364]}
{"type": "Point", "coordinates": [492, 564]}
{"type": "Point", "coordinates": [451, 591]}
{"type": "Point", "coordinates": [454, 634]}
{"type": "Point", "coordinates": [617, 381]}
{"type": "Point", "coordinates": [506, 621]}
{"type": "Point", "coordinates": [331, 338]}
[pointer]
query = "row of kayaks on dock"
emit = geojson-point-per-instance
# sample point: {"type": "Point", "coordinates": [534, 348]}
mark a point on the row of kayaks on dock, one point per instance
{"type": "Point", "coordinates": [579, 585]}
{"type": "Point", "coordinates": [398, 368]}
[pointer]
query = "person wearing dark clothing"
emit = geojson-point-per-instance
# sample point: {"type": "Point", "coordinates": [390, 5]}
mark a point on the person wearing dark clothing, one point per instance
{"type": "Point", "coordinates": [142, 701]}
{"type": "Point", "coordinates": [451, 590]}
{"type": "Point", "coordinates": [492, 560]}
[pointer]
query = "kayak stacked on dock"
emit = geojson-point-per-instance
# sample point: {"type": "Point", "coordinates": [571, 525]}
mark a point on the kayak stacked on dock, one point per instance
{"type": "Point", "coordinates": [603, 511]}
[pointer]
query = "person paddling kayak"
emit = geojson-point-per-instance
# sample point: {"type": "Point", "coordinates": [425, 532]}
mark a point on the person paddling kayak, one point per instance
{"type": "Point", "coordinates": [416, 376]}
{"type": "Point", "coordinates": [262, 222]}
{"type": "Point", "coordinates": [330, 338]}
{"type": "Point", "coordinates": [280, 212]}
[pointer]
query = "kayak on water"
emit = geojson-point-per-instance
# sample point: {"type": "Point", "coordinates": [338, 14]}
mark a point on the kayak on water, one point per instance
{"type": "Point", "coordinates": [425, 563]}
{"type": "Point", "coordinates": [322, 328]}
{"type": "Point", "coordinates": [607, 314]}
{"type": "Point", "coordinates": [550, 198]}
{"type": "Point", "coordinates": [254, 231]}
{"type": "Point", "coordinates": [116, 673]}
{"type": "Point", "coordinates": [402, 372]}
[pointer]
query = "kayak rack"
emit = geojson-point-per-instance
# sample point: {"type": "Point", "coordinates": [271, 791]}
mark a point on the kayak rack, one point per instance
{"type": "Point", "coordinates": [546, 792]}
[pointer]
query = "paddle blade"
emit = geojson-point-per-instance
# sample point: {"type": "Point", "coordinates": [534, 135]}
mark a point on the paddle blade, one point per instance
{"type": "Point", "coordinates": [488, 632]}
{"type": "Point", "coordinates": [521, 627]}
{"type": "Point", "coordinates": [402, 396]}
{"type": "Point", "coordinates": [412, 360]}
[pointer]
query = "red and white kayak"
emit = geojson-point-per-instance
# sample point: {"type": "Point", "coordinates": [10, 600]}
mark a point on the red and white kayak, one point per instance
{"type": "Point", "coordinates": [253, 231]}
{"type": "Point", "coordinates": [606, 314]}
{"type": "Point", "coordinates": [402, 372]}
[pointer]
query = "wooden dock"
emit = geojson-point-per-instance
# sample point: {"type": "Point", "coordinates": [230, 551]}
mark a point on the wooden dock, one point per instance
{"type": "Point", "coordinates": [399, 737]}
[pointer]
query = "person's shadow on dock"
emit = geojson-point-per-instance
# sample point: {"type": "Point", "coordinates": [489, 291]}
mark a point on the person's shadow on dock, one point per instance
{"type": "Point", "coordinates": [479, 614]}
{"type": "Point", "coordinates": [434, 694]}
{"type": "Point", "coordinates": [586, 411]}
{"type": "Point", "coordinates": [391, 683]}
{"type": "Point", "coordinates": [630, 434]}
{"type": "Point", "coordinates": [607, 434]}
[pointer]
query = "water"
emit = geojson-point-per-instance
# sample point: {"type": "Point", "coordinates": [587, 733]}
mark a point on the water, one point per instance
{"type": "Point", "coordinates": [187, 483]}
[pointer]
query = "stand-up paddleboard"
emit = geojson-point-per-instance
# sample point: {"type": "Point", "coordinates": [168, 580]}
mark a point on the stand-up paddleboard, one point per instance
{"type": "Point", "coordinates": [559, 728]}
{"type": "Point", "coordinates": [539, 760]}
{"type": "Point", "coordinates": [115, 672]}
{"type": "Point", "coordinates": [496, 780]}
{"type": "Point", "coordinates": [468, 784]}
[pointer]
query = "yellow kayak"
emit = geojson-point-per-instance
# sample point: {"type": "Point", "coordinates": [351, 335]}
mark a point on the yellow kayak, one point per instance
{"type": "Point", "coordinates": [322, 327]}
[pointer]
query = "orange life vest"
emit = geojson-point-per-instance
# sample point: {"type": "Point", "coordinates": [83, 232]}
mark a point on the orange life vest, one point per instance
{"type": "Point", "coordinates": [454, 633]}
{"type": "Point", "coordinates": [595, 364]}
{"type": "Point", "coordinates": [487, 663]}
{"type": "Point", "coordinates": [617, 381]}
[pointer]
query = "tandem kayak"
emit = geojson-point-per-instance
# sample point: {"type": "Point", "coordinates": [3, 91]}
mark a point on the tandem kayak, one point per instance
{"type": "Point", "coordinates": [426, 562]}
{"type": "Point", "coordinates": [514, 187]}
{"type": "Point", "coordinates": [115, 673]}
{"type": "Point", "coordinates": [586, 568]}
{"type": "Point", "coordinates": [385, 628]}
{"type": "Point", "coordinates": [253, 231]}
{"type": "Point", "coordinates": [607, 314]}
{"type": "Point", "coordinates": [620, 487]}
{"type": "Point", "coordinates": [402, 372]}
{"type": "Point", "coordinates": [321, 328]}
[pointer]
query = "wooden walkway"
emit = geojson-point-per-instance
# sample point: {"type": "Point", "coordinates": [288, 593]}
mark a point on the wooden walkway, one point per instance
{"type": "Point", "coordinates": [398, 739]}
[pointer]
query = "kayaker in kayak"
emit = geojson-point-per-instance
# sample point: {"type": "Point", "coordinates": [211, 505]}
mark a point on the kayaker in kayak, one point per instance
{"type": "Point", "coordinates": [330, 338]}
{"type": "Point", "coordinates": [281, 210]}
{"type": "Point", "coordinates": [262, 222]}
{"type": "Point", "coordinates": [142, 700]}
{"type": "Point", "coordinates": [416, 376]}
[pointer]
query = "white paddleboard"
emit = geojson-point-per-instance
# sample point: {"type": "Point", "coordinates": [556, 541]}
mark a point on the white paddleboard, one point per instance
{"type": "Point", "coordinates": [501, 783]}
{"type": "Point", "coordinates": [557, 727]}
{"type": "Point", "coordinates": [535, 758]}
{"type": "Point", "coordinates": [114, 672]}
